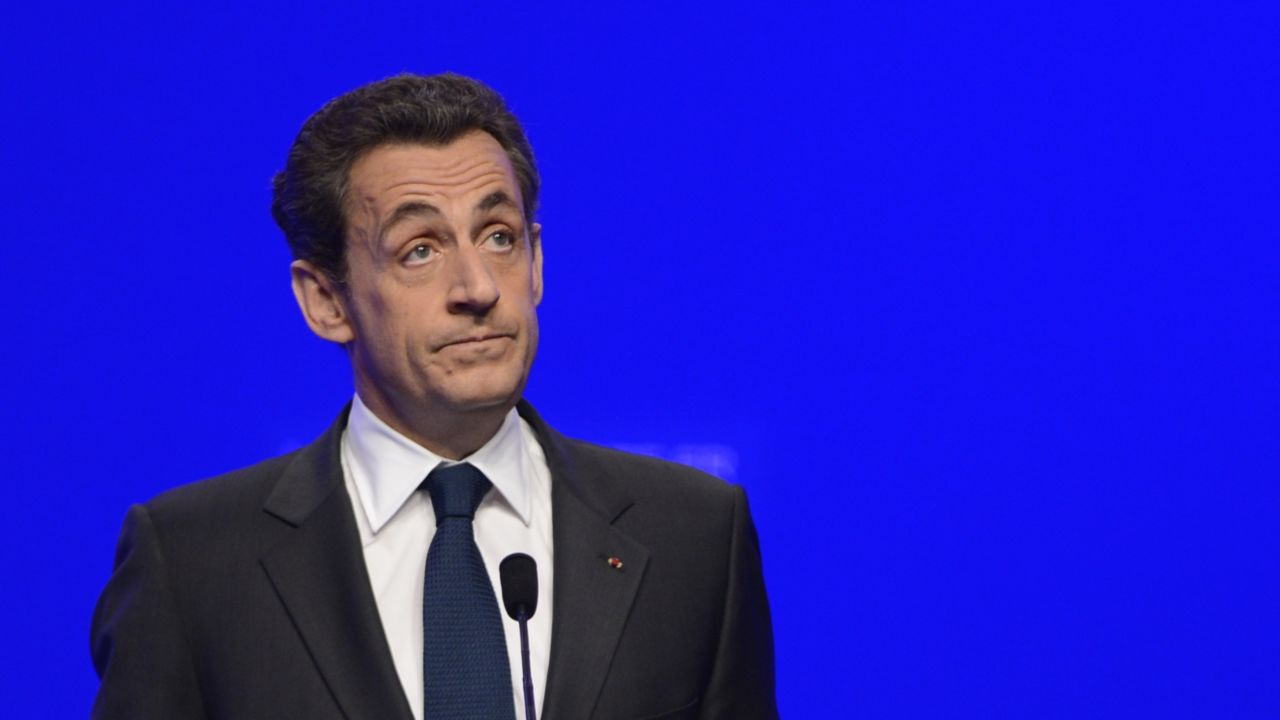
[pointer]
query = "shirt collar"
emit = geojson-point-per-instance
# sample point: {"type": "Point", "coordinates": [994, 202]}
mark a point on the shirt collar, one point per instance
{"type": "Point", "coordinates": [388, 467]}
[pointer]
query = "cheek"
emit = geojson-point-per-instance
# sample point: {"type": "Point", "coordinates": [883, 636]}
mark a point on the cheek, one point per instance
{"type": "Point", "coordinates": [386, 329]}
{"type": "Point", "coordinates": [533, 334]}
{"type": "Point", "coordinates": [530, 341]}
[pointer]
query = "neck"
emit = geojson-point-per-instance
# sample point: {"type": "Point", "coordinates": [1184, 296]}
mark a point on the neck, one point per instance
{"type": "Point", "coordinates": [458, 442]}
{"type": "Point", "coordinates": [451, 435]}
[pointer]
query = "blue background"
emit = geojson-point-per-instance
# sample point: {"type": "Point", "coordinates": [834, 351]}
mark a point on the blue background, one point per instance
{"type": "Point", "coordinates": [979, 304]}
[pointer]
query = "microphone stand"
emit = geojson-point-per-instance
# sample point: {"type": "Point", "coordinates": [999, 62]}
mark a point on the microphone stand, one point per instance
{"type": "Point", "coordinates": [520, 597]}
{"type": "Point", "coordinates": [530, 713]}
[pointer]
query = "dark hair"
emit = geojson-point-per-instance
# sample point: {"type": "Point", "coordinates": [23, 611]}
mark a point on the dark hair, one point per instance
{"type": "Point", "coordinates": [309, 194]}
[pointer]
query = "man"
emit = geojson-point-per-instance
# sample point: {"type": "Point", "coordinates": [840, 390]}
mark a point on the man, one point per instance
{"type": "Point", "coordinates": [296, 589]}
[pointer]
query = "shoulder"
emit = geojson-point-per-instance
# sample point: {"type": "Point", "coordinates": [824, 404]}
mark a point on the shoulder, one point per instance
{"type": "Point", "coordinates": [220, 503]}
{"type": "Point", "coordinates": [288, 485]}
{"type": "Point", "coordinates": [610, 479]}
{"type": "Point", "coordinates": [645, 475]}
{"type": "Point", "coordinates": [660, 503]}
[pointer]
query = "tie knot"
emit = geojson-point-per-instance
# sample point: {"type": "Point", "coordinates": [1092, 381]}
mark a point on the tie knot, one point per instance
{"type": "Point", "coordinates": [456, 490]}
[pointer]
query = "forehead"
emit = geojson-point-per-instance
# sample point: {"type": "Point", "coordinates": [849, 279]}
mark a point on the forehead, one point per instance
{"type": "Point", "coordinates": [473, 163]}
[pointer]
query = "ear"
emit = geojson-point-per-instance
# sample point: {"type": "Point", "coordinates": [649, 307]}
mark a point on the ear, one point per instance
{"type": "Point", "coordinates": [535, 239]}
{"type": "Point", "coordinates": [321, 303]}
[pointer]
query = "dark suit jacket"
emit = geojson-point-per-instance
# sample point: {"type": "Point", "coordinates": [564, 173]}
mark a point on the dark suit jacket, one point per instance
{"type": "Point", "coordinates": [246, 596]}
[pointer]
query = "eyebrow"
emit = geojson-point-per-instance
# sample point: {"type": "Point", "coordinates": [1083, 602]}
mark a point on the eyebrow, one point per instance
{"type": "Point", "coordinates": [495, 199]}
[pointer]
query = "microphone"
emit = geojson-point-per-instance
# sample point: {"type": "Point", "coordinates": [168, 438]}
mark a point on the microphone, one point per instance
{"type": "Point", "coordinates": [519, 575]}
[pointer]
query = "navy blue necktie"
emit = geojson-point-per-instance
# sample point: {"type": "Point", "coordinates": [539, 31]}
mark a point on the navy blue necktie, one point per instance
{"type": "Point", "coordinates": [465, 670]}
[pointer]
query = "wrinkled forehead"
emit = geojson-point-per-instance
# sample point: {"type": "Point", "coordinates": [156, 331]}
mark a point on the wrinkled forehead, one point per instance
{"type": "Point", "coordinates": [474, 163]}
{"type": "Point", "coordinates": [458, 183]}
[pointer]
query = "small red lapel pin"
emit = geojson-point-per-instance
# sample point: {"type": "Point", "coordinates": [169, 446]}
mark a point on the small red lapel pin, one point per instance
{"type": "Point", "coordinates": [615, 562]}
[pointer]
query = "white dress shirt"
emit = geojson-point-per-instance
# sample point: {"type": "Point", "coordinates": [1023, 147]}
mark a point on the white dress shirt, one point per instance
{"type": "Point", "coordinates": [383, 471]}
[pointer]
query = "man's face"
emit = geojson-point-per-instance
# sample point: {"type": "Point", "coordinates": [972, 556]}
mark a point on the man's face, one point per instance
{"type": "Point", "coordinates": [443, 278]}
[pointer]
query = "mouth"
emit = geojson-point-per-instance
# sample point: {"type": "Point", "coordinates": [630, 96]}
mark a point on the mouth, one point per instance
{"type": "Point", "coordinates": [476, 340]}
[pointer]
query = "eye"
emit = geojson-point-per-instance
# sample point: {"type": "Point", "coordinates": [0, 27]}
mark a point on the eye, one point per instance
{"type": "Point", "coordinates": [420, 254]}
{"type": "Point", "coordinates": [501, 239]}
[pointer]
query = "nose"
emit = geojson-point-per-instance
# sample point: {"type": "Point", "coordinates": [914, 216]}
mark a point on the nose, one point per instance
{"type": "Point", "coordinates": [472, 289]}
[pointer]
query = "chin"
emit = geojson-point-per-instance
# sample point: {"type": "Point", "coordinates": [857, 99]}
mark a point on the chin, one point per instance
{"type": "Point", "coordinates": [486, 394]}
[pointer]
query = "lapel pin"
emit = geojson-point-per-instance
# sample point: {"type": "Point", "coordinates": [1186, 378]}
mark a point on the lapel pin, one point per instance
{"type": "Point", "coordinates": [615, 562]}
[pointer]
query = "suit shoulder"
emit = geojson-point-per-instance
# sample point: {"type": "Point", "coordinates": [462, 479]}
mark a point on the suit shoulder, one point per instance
{"type": "Point", "coordinates": [228, 493]}
{"type": "Point", "coordinates": [646, 474]}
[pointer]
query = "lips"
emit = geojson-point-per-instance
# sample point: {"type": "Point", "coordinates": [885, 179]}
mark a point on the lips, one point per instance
{"type": "Point", "coordinates": [476, 339]}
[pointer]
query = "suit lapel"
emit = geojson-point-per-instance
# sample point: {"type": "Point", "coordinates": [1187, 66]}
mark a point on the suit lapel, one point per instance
{"type": "Point", "coordinates": [591, 598]}
{"type": "Point", "coordinates": [318, 571]}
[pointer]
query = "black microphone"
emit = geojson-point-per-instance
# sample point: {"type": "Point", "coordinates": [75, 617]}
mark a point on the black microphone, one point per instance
{"type": "Point", "coordinates": [520, 596]}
